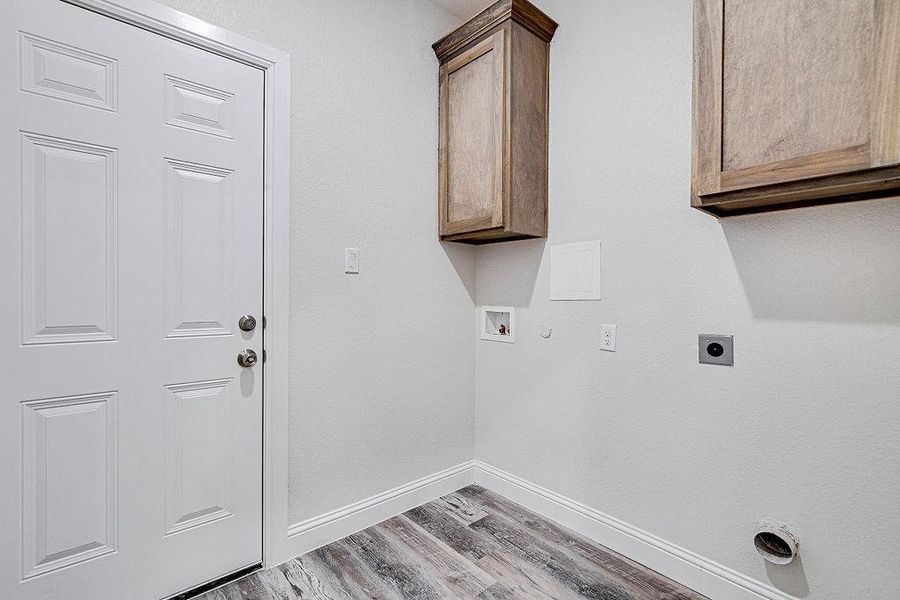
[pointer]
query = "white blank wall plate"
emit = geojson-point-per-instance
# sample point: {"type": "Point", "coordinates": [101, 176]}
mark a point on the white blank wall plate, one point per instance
{"type": "Point", "coordinates": [575, 271]}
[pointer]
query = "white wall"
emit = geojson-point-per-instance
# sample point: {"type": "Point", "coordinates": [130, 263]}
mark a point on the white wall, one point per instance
{"type": "Point", "coordinates": [381, 383]}
{"type": "Point", "coordinates": [804, 427]}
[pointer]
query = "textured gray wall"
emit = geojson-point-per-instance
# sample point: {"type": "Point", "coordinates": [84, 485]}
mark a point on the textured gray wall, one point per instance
{"type": "Point", "coordinates": [804, 427]}
{"type": "Point", "coordinates": [381, 383]}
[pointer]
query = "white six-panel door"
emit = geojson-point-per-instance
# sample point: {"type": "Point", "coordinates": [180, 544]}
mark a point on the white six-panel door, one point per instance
{"type": "Point", "coordinates": [131, 243]}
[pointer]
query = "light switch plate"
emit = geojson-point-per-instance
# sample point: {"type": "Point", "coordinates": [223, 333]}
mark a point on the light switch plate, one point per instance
{"type": "Point", "coordinates": [351, 260]}
{"type": "Point", "coordinates": [716, 349]}
{"type": "Point", "coordinates": [608, 338]}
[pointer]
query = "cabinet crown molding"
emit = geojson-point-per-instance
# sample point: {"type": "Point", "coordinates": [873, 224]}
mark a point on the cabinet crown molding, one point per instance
{"type": "Point", "coordinates": [522, 12]}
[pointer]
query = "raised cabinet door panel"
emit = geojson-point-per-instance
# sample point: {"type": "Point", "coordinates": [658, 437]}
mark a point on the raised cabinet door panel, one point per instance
{"type": "Point", "coordinates": [786, 96]}
{"type": "Point", "coordinates": [795, 102]}
{"type": "Point", "coordinates": [473, 85]}
{"type": "Point", "coordinates": [494, 112]}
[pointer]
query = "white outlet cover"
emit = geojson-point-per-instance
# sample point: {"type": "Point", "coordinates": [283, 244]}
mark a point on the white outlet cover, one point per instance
{"type": "Point", "coordinates": [575, 271]}
{"type": "Point", "coordinates": [608, 338]}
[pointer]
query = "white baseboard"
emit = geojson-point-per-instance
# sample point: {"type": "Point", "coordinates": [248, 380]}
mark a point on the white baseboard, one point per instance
{"type": "Point", "coordinates": [321, 530]}
{"type": "Point", "coordinates": [688, 568]}
{"type": "Point", "coordinates": [679, 564]}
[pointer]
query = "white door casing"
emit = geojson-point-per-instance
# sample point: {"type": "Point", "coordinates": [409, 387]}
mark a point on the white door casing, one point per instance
{"type": "Point", "coordinates": [133, 170]}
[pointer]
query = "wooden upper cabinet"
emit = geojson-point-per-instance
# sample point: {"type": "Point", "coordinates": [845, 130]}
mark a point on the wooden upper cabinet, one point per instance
{"type": "Point", "coordinates": [494, 109]}
{"type": "Point", "coordinates": [796, 103]}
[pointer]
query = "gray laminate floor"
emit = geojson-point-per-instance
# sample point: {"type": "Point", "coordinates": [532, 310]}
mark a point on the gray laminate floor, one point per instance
{"type": "Point", "coordinates": [469, 544]}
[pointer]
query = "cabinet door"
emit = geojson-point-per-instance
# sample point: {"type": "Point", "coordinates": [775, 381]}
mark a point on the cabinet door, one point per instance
{"type": "Point", "coordinates": [473, 120]}
{"type": "Point", "coordinates": [789, 91]}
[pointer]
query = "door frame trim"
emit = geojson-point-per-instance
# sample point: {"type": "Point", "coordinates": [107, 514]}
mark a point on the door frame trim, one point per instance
{"type": "Point", "coordinates": [276, 67]}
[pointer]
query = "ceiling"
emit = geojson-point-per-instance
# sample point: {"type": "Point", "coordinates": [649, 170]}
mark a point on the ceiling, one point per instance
{"type": "Point", "coordinates": [464, 9]}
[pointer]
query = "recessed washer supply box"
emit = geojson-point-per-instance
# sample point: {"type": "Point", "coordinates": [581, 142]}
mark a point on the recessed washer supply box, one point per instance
{"type": "Point", "coordinates": [498, 323]}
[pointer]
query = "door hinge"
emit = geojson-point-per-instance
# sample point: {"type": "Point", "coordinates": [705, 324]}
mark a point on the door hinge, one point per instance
{"type": "Point", "coordinates": [264, 355]}
{"type": "Point", "coordinates": [264, 321]}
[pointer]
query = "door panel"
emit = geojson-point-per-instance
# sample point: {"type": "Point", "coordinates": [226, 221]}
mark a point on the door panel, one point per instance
{"type": "Point", "coordinates": [69, 473]}
{"type": "Point", "coordinates": [68, 204]}
{"type": "Point", "coordinates": [192, 105]}
{"type": "Point", "coordinates": [133, 244]}
{"type": "Point", "coordinates": [199, 237]}
{"type": "Point", "coordinates": [199, 454]}
{"type": "Point", "coordinates": [68, 73]}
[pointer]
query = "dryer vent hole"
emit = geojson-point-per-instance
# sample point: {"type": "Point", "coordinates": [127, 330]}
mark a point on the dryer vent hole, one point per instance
{"type": "Point", "coordinates": [768, 543]}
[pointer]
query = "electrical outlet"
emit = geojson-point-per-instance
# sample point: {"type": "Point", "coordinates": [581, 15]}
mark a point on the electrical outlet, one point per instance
{"type": "Point", "coordinates": [608, 338]}
{"type": "Point", "coordinates": [716, 349]}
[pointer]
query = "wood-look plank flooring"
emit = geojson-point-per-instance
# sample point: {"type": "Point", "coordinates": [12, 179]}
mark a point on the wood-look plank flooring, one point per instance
{"type": "Point", "coordinates": [469, 544]}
